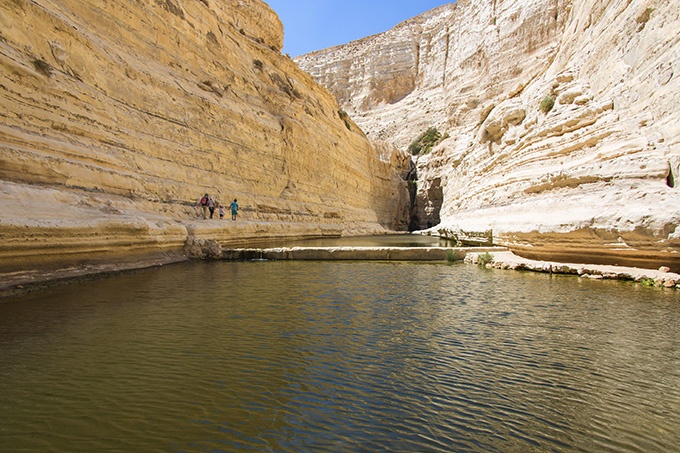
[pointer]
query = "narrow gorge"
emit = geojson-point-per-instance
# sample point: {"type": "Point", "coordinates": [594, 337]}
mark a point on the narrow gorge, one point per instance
{"type": "Point", "coordinates": [558, 121]}
{"type": "Point", "coordinates": [555, 126]}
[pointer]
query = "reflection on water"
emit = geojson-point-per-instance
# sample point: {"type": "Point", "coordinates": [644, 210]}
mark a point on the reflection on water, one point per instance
{"type": "Point", "coordinates": [328, 356]}
{"type": "Point", "coordinates": [388, 240]}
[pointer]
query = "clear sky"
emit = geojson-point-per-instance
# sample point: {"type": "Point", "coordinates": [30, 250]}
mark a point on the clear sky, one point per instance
{"type": "Point", "coordinates": [316, 24]}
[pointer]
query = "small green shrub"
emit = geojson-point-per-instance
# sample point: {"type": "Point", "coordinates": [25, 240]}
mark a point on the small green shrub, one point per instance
{"type": "Point", "coordinates": [424, 143]}
{"type": "Point", "coordinates": [345, 118]}
{"type": "Point", "coordinates": [484, 259]}
{"type": "Point", "coordinates": [547, 104]}
{"type": "Point", "coordinates": [646, 281]}
{"type": "Point", "coordinates": [450, 256]}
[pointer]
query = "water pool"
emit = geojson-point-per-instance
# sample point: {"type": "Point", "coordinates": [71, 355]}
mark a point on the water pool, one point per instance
{"type": "Point", "coordinates": [340, 356]}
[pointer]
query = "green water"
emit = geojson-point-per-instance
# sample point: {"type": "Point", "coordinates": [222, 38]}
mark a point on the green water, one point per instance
{"type": "Point", "coordinates": [387, 240]}
{"type": "Point", "coordinates": [340, 357]}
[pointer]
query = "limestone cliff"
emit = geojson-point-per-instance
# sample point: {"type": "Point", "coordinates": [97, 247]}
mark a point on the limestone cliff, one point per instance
{"type": "Point", "coordinates": [117, 116]}
{"type": "Point", "coordinates": [560, 120]}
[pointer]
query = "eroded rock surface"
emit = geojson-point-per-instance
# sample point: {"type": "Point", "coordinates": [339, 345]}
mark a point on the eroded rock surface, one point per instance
{"type": "Point", "coordinates": [561, 115]}
{"type": "Point", "coordinates": [117, 116]}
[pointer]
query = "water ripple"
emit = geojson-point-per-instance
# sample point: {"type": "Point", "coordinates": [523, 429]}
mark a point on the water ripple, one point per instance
{"type": "Point", "coordinates": [295, 357]}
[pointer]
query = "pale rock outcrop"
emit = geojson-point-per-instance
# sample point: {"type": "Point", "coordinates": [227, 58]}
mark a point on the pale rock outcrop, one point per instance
{"type": "Point", "coordinates": [117, 116]}
{"type": "Point", "coordinates": [506, 260]}
{"type": "Point", "coordinates": [592, 179]}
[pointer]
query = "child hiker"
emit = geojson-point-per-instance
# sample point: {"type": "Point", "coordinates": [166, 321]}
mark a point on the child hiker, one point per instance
{"type": "Point", "coordinates": [234, 209]}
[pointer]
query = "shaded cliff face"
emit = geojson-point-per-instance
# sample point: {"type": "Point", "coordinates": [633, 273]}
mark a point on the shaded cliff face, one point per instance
{"type": "Point", "coordinates": [117, 116]}
{"type": "Point", "coordinates": [593, 178]}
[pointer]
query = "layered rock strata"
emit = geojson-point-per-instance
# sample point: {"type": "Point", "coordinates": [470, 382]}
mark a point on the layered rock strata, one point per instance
{"type": "Point", "coordinates": [117, 116]}
{"type": "Point", "coordinates": [560, 121]}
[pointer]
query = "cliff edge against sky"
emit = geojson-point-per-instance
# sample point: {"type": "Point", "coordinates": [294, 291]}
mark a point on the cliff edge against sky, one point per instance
{"type": "Point", "coordinates": [560, 120]}
{"type": "Point", "coordinates": [117, 116]}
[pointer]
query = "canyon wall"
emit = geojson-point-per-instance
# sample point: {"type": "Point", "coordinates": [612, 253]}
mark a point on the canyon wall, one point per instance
{"type": "Point", "coordinates": [560, 121]}
{"type": "Point", "coordinates": [118, 116]}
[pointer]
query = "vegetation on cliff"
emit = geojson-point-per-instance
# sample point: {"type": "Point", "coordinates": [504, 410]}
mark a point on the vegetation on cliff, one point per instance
{"type": "Point", "coordinates": [425, 141]}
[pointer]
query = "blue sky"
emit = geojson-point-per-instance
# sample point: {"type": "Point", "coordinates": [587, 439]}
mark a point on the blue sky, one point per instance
{"type": "Point", "coordinates": [316, 24]}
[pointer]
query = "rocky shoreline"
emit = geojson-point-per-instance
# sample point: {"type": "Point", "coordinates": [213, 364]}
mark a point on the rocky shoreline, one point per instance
{"type": "Point", "coordinates": [507, 260]}
{"type": "Point", "coordinates": [200, 248]}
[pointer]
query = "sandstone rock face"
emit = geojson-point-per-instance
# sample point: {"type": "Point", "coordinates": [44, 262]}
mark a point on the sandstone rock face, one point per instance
{"type": "Point", "coordinates": [117, 116]}
{"type": "Point", "coordinates": [594, 178]}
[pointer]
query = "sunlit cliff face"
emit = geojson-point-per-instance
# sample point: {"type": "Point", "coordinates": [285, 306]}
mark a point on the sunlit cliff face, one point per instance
{"type": "Point", "coordinates": [117, 116]}
{"type": "Point", "coordinates": [559, 117]}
